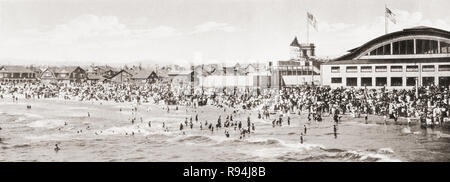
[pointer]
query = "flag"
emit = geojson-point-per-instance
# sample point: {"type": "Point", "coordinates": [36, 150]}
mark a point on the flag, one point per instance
{"type": "Point", "coordinates": [312, 20]}
{"type": "Point", "coordinates": [390, 15]}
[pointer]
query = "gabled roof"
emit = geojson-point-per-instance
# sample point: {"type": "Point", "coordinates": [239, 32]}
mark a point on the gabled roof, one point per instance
{"type": "Point", "coordinates": [143, 74]}
{"type": "Point", "coordinates": [121, 71]}
{"type": "Point", "coordinates": [295, 43]}
{"type": "Point", "coordinates": [63, 69]}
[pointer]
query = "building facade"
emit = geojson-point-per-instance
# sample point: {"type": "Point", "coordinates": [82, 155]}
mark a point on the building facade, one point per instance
{"type": "Point", "coordinates": [121, 77]}
{"type": "Point", "coordinates": [16, 73]}
{"type": "Point", "coordinates": [419, 55]}
{"type": "Point", "coordinates": [301, 69]}
{"type": "Point", "coordinates": [65, 74]}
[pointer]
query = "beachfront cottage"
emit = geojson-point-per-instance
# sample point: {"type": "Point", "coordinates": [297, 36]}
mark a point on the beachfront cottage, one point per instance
{"type": "Point", "coordinates": [89, 70]}
{"type": "Point", "coordinates": [121, 76]}
{"type": "Point", "coordinates": [65, 74]}
{"type": "Point", "coordinates": [47, 76]}
{"type": "Point", "coordinates": [16, 73]}
{"type": "Point", "coordinates": [145, 76]}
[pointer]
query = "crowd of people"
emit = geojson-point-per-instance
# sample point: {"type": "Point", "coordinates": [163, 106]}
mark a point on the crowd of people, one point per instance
{"type": "Point", "coordinates": [431, 105]}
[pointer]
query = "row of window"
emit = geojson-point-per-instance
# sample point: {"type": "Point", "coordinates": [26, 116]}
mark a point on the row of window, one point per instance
{"type": "Point", "coordinates": [17, 75]}
{"type": "Point", "coordinates": [409, 68]}
{"type": "Point", "coordinates": [423, 46]}
{"type": "Point", "coordinates": [395, 81]}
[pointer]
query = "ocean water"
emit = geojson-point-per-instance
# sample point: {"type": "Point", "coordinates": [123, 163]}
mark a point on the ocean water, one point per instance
{"type": "Point", "coordinates": [109, 135]}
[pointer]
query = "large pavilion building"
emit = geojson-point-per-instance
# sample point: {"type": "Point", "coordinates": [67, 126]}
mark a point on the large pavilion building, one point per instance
{"type": "Point", "coordinates": [418, 55]}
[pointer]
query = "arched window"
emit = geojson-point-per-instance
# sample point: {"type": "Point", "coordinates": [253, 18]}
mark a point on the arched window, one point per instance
{"type": "Point", "coordinates": [382, 50]}
{"type": "Point", "coordinates": [406, 47]}
{"type": "Point", "coordinates": [403, 47]}
{"type": "Point", "coordinates": [424, 46]}
{"type": "Point", "coordinates": [445, 47]}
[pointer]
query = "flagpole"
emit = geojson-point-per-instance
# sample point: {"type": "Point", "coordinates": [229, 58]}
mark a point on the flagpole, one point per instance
{"type": "Point", "coordinates": [307, 29]}
{"type": "Point", "coordinates": [385, 20]}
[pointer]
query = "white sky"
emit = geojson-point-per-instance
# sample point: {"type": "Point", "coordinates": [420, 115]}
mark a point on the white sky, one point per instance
{"type": "Point", "coordinates": [181, 31]}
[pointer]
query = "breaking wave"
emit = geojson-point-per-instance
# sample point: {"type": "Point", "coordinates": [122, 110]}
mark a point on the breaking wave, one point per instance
{"type": "Point", "coordinates": [375, 155]}
{"type": "Point", "coordinates": [46, 123]}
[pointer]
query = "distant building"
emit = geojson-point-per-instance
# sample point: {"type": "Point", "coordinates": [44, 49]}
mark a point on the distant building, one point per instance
{"type": "Point", "coordinates": [181, 78]}
{"type": "Point", "coordinates": [299, 51]}
{"type": "Point", "coordinates": [48, 75]}
{"type": "Point", "coordinates": [302, 69]}
{"type": "Point", "coordinates": [145, 76]}
{"type": "Point", "coordinates": [419, 55]}
{"type": "Point", "coordinates": [65, 74]}
{"type": "Point", "coordinates": [16, 73]}
{"type": "Point", "coordinates": [121, 76]}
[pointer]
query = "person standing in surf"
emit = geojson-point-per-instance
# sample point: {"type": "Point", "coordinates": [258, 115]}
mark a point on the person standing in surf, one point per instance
{"type": "Point", "coordinates": [301, 138]}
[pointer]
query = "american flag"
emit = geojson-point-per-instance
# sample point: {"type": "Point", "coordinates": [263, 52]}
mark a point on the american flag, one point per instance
{"type": "Point", "coordinates": [390, 15]}
{"type": "Point", "coordinates": [312, 20]}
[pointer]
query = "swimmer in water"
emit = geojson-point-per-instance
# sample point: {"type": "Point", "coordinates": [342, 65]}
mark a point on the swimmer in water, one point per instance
{"type": "Point", "coordinates": [301, 138]}
{"type": "Point", "coordinates": [57, 148]}
{"type": "Point", "coordinates": [335, 131]}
